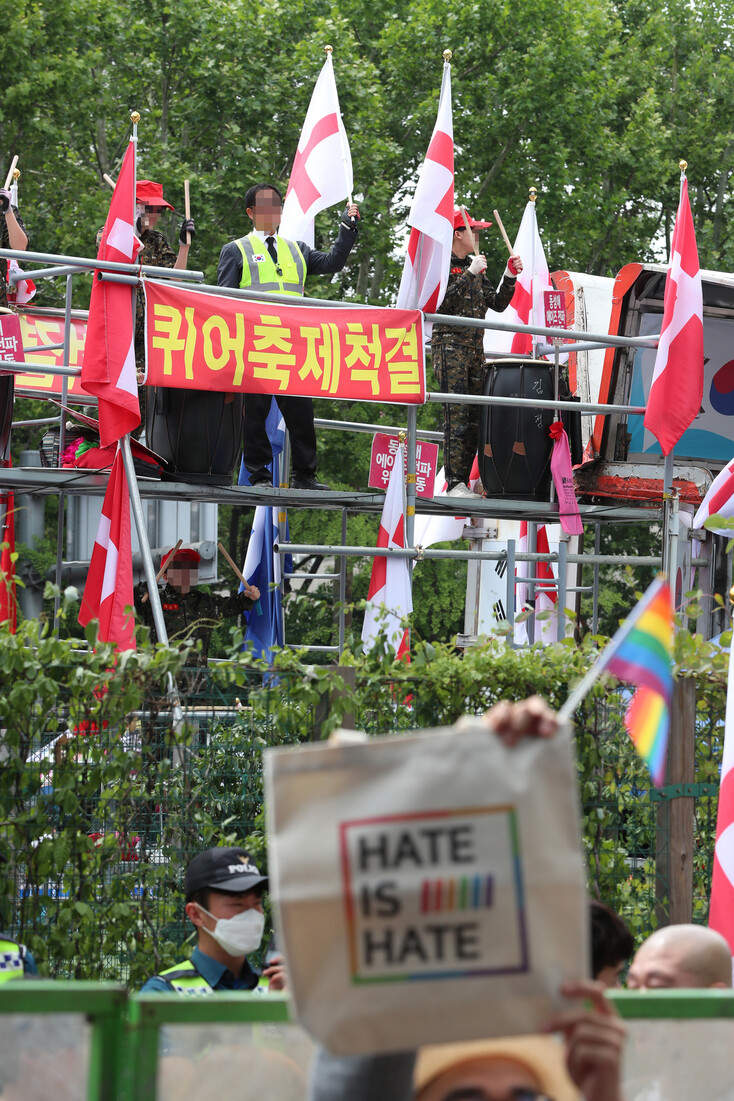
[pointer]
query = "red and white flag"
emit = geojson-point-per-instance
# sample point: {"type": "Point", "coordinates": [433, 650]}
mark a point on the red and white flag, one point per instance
{"type": "Point", "coordinates": [676, 391]}
{"type": "Point", "coordinates": [108, 367]}
{"type": "Point", "coordinates": [389, 599]}
{"type": "Point", "coordinates": [109, 588]}
{"type": "Point", "coordinates": [431, 217]}
{"type": "Point", "coordinates": [719, 500]}
{"type": "Point", "coordinates": [721, 908]}
{"type": "Point", "coordinates": [546, 591]}
{"type": "Point", "coordinates": [322, 170]}
{"type": "Point", "coordinates": [442, 528]}
{"type": "Point", "coordinates": [526, 307]}
{"type": "Point", "coordinates": [20, 293]}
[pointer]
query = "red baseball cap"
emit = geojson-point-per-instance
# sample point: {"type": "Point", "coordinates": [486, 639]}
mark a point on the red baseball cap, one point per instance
{"type": "Point", "coordinates": [460, 224]}
{"type": "Point", "coordinates": [183, 556]}
{"type": "Point", "coordinates": [151, 193]}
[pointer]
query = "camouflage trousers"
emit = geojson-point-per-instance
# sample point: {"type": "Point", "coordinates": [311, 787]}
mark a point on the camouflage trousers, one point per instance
{"type": "Point", "coordinates": [460, 370]}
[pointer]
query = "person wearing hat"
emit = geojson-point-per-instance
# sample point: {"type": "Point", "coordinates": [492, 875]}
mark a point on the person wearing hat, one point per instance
{"type": "Point", "coordinates": [190, 613]}
{"type": "Point", "coordinates": [263, 260]}
{"type": "Point", "coordinates": [458, 354]}
{"type": "Point", "coordinates": [585, 1065]}
{"type": "Point", "coordinates": [149, 207]}
{"type": "Point", "coordinates": [224, 901]}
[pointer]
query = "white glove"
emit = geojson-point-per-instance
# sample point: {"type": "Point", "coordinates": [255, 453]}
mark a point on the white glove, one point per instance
{"type": "Point", "coordinates": [478, 265]}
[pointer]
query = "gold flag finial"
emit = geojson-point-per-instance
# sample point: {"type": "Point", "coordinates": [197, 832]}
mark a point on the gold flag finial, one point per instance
{"type": "Point", "coordinates": [16, 173]}
{"type": "Point", "coordinates": [447, 55]}
{"type": "Point", "coordinates": [328, 49]}
{"type": "Point", "coordinates": [683, 165]}
{"type": "Point", "coordinates": [731, 594]}
{"type": "Point", "coordinates": [135, 117]}
{"type": "Point", "coordinates": [533, 194]}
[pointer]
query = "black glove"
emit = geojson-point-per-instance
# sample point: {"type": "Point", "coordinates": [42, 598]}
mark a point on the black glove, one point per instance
{"type": "Point", "coordinates": [187, 226]}
{"type": "Point", "coordinates": [4, 200]}
{"type": "Point", "coordinates": [351, 222]}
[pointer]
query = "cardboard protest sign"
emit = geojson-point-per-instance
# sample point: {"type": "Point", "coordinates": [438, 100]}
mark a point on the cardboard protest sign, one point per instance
{"type": "Point", "coordinates": [429, 887]}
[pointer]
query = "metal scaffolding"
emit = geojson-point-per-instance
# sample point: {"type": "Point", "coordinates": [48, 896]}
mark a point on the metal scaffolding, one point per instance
{"type": "Point", "coordinates": [62, 482]}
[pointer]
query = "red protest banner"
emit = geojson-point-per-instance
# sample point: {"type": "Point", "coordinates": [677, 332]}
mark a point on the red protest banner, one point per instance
{"type": "Point", "coordinates": [382, 459]}
{"type": "Point", "coordinates": [38, 327]}
{"type": "Point", "coordinates": [200, 341]}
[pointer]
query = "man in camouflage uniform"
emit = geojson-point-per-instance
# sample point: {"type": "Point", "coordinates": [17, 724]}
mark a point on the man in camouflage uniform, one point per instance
{"type": "Point", "coordinates": [191, 614]}
{"type": "Point", "coordinates": [13, 234]}
{"type": "Point", "coordinates": [157, 252]}
{"type": "Point", "coordinates": [458, 354]}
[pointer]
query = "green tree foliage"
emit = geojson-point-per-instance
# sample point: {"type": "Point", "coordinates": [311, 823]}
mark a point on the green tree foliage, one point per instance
{"type": "Point", "coordinates": [96, 829]}
{"type": "Point", "coordinates": [592, 102]}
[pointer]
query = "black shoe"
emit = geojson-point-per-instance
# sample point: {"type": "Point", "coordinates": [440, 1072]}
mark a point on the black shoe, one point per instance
{"type": "Point", "coordinates": [261, 480]}
{"type": "Point", "coordinates": [307, 481]}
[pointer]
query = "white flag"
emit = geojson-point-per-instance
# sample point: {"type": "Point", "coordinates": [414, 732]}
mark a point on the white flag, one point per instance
{"type": "Point", "coordinates": [322, 169]}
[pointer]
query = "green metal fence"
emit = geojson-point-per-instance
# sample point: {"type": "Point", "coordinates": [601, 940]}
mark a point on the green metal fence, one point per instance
{"type": "Point", "coordinates": [92, 1042]}
{"type": "Point", "coordinates": [100, 809]}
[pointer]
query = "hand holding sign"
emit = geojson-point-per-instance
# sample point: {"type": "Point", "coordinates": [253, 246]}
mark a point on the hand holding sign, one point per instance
{"type": "Point", "coordinates": [445, 857]}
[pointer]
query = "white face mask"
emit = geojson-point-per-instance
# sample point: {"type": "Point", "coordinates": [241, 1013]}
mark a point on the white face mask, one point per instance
{"type": "Point", "coordinates": [238, 935]}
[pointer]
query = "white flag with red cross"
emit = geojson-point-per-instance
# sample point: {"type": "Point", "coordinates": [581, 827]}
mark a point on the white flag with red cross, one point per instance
{"type": "Point", "coordinates": [108, 366]}
{"type": "Point", "coordinates": [431, 217]}
{"type": "Point", "coordinates": [676, 391]}
{"type": "Point", "coordinates": [719, 501]}
{"type": "Point", "coordinates": [527, 305]}
{"type": "Point", "coordinates": [109, 588]}
{"type": "Point", "coordinates": [546, 591]}
{"type": "Point", "coordinates": [389, 599]}
{"type": "Point", "coordinates": [721, 906]}
{"type": "Point", "coordinates": [322, 170]}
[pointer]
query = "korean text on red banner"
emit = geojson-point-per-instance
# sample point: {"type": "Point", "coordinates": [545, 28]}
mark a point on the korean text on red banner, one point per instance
{"type": "Point", "coordinates": [202, 341]}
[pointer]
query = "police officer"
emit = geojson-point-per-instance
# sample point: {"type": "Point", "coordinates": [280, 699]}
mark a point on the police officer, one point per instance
{"type": "Point", "coordinates": [458, 354]}
{"type": "Point", "coordinates": [266, 261]}
{"type": "Point", "coordinates": [15, 960]}
{"type": "Point", "coordinates": [224, 901]}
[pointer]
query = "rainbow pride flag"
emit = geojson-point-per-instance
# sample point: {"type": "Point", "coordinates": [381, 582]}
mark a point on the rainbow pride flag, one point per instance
{"type": "Point", "coordinates": [641, 654]}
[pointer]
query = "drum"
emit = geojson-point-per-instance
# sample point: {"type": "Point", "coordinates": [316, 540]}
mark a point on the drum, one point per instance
{"type": "Point", "coordinates": [7, 387]}
{"type": "Point", "coordinates": [197, 433]}
{"type": "Point", "coordinates": [514, 446]}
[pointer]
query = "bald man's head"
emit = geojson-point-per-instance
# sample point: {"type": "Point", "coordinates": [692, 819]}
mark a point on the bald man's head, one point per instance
{"type": "Point", "coordinates": [681, 956]}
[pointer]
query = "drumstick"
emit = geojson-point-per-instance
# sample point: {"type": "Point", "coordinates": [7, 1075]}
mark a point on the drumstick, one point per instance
{"type": "Point", "coordinates": [11, 170]}
{"type": "Point", "coordinates": [242, 579]}
{"type": "Point", "coordinates": [465, 216]}
{"type": "Point", "coordinates": [501, 228]}
{"type": "Point", "coordinates": [164, 567]}
{"type": "Point", "coordinates": [187, 214]}
{"type": "Point", "coordinates": [108, 180]}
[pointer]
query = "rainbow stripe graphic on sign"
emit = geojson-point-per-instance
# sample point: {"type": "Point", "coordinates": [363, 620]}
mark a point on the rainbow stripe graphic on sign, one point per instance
{"type": "Point", "coordinates": [441, 896]}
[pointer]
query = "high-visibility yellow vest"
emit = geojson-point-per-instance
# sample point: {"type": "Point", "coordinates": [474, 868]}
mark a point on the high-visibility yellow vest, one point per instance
{"type": "Point", "coordinates": [11, 960]}
{"type": "Point", "coordinates": [185, 979]}
{"type": "Point", "coordinates": [260, 273]}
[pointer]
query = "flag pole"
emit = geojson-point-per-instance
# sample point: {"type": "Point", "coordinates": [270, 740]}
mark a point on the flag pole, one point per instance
{"type": "Point", "coordinates": [668, 467]}
{"type": "Point", "coordinates": [11, 170]}
{"type": "Point", "coordinates": [533, 195]}
{"type": "Point", "coordinates": [328, 50]}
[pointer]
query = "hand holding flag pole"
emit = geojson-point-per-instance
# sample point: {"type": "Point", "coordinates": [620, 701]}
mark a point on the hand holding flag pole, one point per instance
{"type": "Point", "coordinates": [328, 50]}
{"type": "Point", "coordinates": [187, 209]}
{"type": "Point", "coordinates": [248, 588]}
{"type": "Point", "coordinates": [11, 170]}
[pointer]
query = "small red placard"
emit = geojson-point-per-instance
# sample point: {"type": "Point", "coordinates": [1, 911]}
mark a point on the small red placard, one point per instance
{"type": "Point", "coordinates": [382, 460]}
